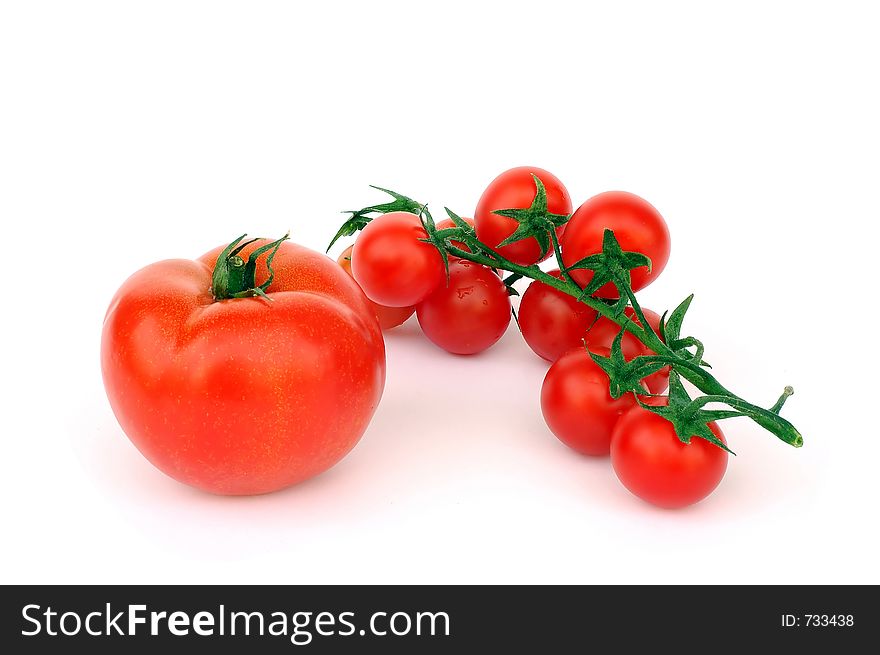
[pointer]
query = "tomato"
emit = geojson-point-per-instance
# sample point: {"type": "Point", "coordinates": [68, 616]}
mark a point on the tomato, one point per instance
{"type": "Point", "coordinates": [551, 321]}
{"type": "Point", "coordinates": [243, 395]}
{"type": "Point", "coordinates": [604, 331]}
{"type": "Point", "coordinates": [636, 224]}
{"type": "Point", "coordinates": [577, 406]}
{"type": "Point", "coordinates": [389, 317]}
{"type": "Point", "coordinates": [651, 461]}
{"type": "Point", "coordinates": [392, 265]}
{"type": "Point", "coordinates": [447, 223]}
{"type": "Point", "coordinates": [515, 189]}
{"type": "Point", "coordinates": [469, 314]}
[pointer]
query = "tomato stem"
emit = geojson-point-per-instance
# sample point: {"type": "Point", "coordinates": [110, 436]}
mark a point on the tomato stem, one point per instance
{"type": "Point", "coordinates": [233, 277]}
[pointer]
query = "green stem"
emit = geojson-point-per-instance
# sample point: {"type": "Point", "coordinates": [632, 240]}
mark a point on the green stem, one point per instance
{"type": "Point", "coordinates": [233, 277]}
{"type": "Point", "coordinates": [557, 251]}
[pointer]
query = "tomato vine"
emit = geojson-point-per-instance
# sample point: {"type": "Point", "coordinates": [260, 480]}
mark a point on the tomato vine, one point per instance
{"type": "Point", "coordinates": [682, 354]}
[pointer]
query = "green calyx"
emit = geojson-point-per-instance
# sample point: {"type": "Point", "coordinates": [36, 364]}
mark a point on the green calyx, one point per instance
{"type": "Point", "coordinates": [234, 277]}
{"type": "Point", "coordinates": [612, 265]}
{"type": "Point", "coordinates": [358, 219]}
{"type": "Point", "coordinates": [434, 236]}
{"type": "Point", "coordinates": [687, 416]}
{"type": "Point", "coordinates": [625, 376]}
{"type": "Point", "coordinates": [534, 221]}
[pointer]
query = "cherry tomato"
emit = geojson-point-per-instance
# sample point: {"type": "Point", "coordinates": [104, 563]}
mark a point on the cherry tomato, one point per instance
{"type": "Point", "coordinates": [392, 265]}
{"type": "Point", "coordinates": [602, 335]}
{"type": "Point", "coordinates": [636, 224]}
{"type": "Point", "coordinates": [243, 395]}
{"type": "Point", "coordinates": [447, 223]}
{"type": "Point", "coordinates": [551, 321]}
{"type": "Point", "coordinates": [651, 461]}
{"type": "Point", "coordinates": [577, 406]}
{"type": "Point", "coordinates": [469, 314]}
{"type": "Point", "coordinates": [515, 189]}
{"type": "Point", "coordinates": [389, 317]}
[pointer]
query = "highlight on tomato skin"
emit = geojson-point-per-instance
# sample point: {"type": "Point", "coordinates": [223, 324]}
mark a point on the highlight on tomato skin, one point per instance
{"type": "Point", "coordinates": [392, 264]}
{"type": "Point", "coordinates": [389, 317]}
{"type": "Point", "coordinates": [515, 189]}
{"type": "Point", "coordinates": [637, 225]}
{"type": "Point", "coordinates": [241, 395]}
{"type": "Point", "coordinates": [655, 465]}
{"type": "Point", "coordinates": [470, 313]}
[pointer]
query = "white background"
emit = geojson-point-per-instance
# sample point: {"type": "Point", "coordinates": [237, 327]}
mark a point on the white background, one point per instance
{"type": "Point", "coordinates": [133, 132]}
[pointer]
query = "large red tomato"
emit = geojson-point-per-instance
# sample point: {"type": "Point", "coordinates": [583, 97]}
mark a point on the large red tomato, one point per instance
{"type": "Point", "coordinates": [655, 465]}
{"type": "Point", "coordinates": [389, 317]}
{"type": "Point", "coordinates": [516, 189]}
{"type": "Point", "coordinates": [636, 224]}
{"type": "Point", "coordinates": [244, 395]}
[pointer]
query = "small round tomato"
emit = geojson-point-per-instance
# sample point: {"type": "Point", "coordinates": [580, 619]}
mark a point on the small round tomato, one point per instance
{"type": "Point", "coordinates": [551, 321]}
{"type": "Point", "coordinates": [604, 331]}
{"type": "Point", "coordinates": [636, 224]}
{"type": "Point", "coordinates": [516, 189]}
{"type": "Point", "coordinates": [655, 465]}
{"type": "Point", "coordinates": [389, 317]}
{"type": "Point", "coordinates": [391, 263]}
{"type": "Point", "coordinates": [468, 314]}
{"type": "Point", "coordinates": [577, 406]}
{"type": "Point", "coordinates": [447, 223]}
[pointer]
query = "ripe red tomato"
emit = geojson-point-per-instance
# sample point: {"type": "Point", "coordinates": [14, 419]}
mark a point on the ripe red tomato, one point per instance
{"type": "Point", "coordinates": [651, 461]}
{"type": "Point", "coordinates": [604, 331]}
{"type": "Point", "coordinates": [553, 322]}
{"type": "Point", "coordinates": [447, 223]}
{"type": "Point", "coordinates": [577, 406]}
{"type": "Point", "coordinates": [392, 265]}
{"type": "Point", "coordinates": [243, 396]}
{"type": "Point", "coordinates": [470, 313]}
{"type": "Point", "coordinates": [389, 317]}
{"type": "Point", "coordinates": [636, 224]}
{"type": "Point", "coordinates": [515, 189]}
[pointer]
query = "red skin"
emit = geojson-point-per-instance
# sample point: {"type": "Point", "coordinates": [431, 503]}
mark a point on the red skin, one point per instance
{"type": "Point", "coordinates": [243, 396]}
{"type": "Point", "coordinates": [390, 263]}
{"type": "Point", "coordinates": [552, 322]}
{"type": "Point", "coordinates": [389, 317]}
{"type": "Point", "coordinates": [515, 189]}
{"type": "Point", "coordinates": [469, 314]}
{"type": "Point", "coordinates": [651, 461]}
{"type": "Point", "coordinates": [638, 226]}
{"type": "Point", "coordinates": [577, 406]}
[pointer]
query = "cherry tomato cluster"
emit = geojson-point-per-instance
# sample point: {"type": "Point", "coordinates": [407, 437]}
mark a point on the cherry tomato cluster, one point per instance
{"type": "Point", "coordinates": [464, 307]}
